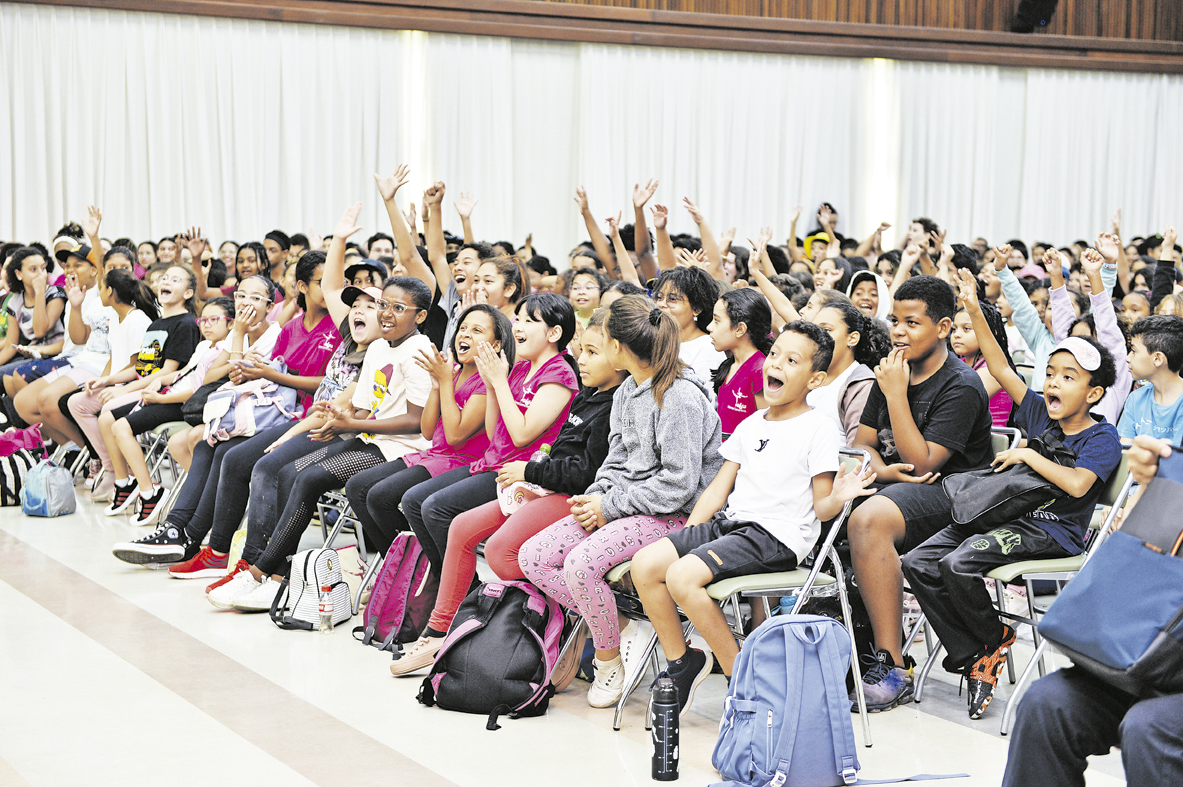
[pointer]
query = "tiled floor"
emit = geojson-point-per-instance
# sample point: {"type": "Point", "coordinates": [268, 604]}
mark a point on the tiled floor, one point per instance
{"type": "Point", "coordinates": [117, 675]}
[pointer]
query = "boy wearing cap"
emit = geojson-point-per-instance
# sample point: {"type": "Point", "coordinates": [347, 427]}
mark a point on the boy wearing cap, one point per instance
{"type": "Point", "coordinates": [945, 572]}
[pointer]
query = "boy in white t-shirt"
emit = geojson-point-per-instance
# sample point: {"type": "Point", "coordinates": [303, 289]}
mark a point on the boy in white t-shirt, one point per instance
{"type": "Point", "coordinates": [761, 513]}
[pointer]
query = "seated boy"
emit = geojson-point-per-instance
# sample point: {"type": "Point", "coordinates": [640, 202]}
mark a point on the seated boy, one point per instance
{"type": "Point", "coordinates": [945, 572]}
{"type": "Point", "coordinates": [760, 514]}
{"type": "Point", "coordinates": [927, 416]}
{"type": "Point", "coordinates": [1155, 410]}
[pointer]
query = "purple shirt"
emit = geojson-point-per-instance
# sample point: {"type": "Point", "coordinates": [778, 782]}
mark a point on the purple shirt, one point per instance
{"type": "Point", "coordinates": [737, 396]}
{"type": "Point", "coordinates": [501, 450]}
{"type": "Point", "coordinates": [442, 457]}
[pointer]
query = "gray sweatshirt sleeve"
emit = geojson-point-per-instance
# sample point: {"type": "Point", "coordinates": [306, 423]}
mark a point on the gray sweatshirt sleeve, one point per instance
{"type": "Point", "coordinates": [681, 434]}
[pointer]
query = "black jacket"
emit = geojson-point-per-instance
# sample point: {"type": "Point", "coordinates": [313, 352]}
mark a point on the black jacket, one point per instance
{"type": "Point", "coordinates": [580, 448]}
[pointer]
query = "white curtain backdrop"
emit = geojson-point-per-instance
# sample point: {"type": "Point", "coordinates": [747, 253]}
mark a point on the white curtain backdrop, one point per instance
{"type": "Point", "coordinates": [241, 126]}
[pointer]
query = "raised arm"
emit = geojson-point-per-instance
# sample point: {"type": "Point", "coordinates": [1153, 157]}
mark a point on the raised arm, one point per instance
{"type": "Point", "coordinates": [404, 239]}
{"type": "Point", "coordinates": [709, 245]}
{"type": "Point", "coordinates": [1059, 301]}
{"type": "Point", "coordinates": [599, 242]}
{"type": "Point", "coordinates": [910, 257]}
{"type": "Point", "coordinates": [666, 259]}
{"type": "Point", "coordinates": [1164, 272]}
{"type": "Point", "coordinates": [1000, 370]}
{"type": "Point", "coordinates": [196, 245]}
{"type": "Point", "coordinates": [794, 252]}
{"type": "Point", "coordinates": [332, 281]}
{"type": "Point", "coordinates": [646, 263]}
{"type": "Point", "coordinates": [873, 242]}
{"type": "Point", "coordinates": [627, 271]}
{"type": "Point", "coordinates": [1123, 262]}
{"type": "Point", "coordinates": [464, 207]}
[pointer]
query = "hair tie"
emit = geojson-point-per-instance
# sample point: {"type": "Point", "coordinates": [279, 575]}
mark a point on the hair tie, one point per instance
{"type": "Point", "coordinates": [654, 316]}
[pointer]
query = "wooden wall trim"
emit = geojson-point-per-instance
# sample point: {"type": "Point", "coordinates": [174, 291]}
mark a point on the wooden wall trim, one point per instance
{"type": "Point", "coordinates": [582, 23]}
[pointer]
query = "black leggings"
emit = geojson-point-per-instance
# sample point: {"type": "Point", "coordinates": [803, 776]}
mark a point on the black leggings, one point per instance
{"type": "Point", "coordinates": [321, 471]}
{"type": "Point", "coordinates": [376, 495]}
{"type": "Point", "coordinates": [151, 416]}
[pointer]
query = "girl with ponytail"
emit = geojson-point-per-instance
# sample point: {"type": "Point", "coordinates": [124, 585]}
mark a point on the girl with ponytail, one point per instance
{"type": "Point", "coordinates": [860, 343]}
{"type": "Point", "coordinates": [663, 451]}
{"type": "Point", "coordinates": [740, 328]}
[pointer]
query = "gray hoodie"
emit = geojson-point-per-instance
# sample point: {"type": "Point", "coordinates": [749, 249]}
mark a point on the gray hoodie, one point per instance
{"type": "Point", "coordinates": [659, 460]}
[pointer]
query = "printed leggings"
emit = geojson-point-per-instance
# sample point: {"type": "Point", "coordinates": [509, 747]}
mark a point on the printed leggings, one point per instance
{"type": "Point", "coordinates": [569, 564]}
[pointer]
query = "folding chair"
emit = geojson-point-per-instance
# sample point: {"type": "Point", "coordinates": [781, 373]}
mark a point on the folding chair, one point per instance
{"type": "Point", "coordinates": [1115, 495]}
{"type": "Point", "coordinates": [728, 593]}
{"type": "Point", "coordinates": [336, 501]}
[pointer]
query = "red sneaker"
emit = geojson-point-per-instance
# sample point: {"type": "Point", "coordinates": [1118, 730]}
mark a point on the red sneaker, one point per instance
{"type": "Point", "coordinates": [241, 566]}
{"type": "Point", "coordinates": [203, 565]}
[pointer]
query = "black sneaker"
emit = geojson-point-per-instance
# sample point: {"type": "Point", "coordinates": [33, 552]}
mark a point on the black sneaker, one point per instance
{"type": "Point", "coordinates": [688, 675]}
{"type": "Point", "coordinates": [166, 545]}
{"type": "Point", "coordinates": [149, 507]}
{"type": "Point", "coordinates": [125, 496]}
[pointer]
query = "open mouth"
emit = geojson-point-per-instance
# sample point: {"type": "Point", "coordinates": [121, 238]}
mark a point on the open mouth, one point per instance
{"type": "Point", "coordinates": [773, 383]}
{"type": "Point", "coordinates": [899, 345]}
{"type": "Point", "coordinates": [463, 346]}
{"type": "Point", "coordinates": [388, 325]}
{"type": "Point", "coordinates": [359, 323]}
{"type": "Point", "coordinates": [166, 292]}
{"type": "Point", "coordinates": [519, 338]}
{"type": "Point", "coordinates": [1053, 401]}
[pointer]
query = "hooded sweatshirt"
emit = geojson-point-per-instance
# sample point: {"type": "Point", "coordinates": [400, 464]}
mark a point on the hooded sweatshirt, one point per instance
{"type": "Point", "coordinates": [659, 459]}
{"type": "Point", "coordinates": [884, 310]}
{"type": "Point", "coordinates": [580, 448]}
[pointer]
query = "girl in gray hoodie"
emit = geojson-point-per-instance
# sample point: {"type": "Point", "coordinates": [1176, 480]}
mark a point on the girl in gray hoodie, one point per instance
{"type": "Point", "coordinates": [663, 451]}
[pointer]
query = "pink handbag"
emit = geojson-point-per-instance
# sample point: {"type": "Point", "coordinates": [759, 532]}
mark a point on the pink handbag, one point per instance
{"type": "Point", "coordinates": [13, 440]}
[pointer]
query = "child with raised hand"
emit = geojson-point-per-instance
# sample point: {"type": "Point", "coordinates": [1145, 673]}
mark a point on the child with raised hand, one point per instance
{"type": "Point", "coordinates": [740, 328]}
{"type": "Point", "coordinates": [1099, 265]}
{"type": "Point", "coordinates": [965, 343]}
{"type": "Point", "coordinates": [761, 513]}
{"type": "Point", "coordinates": [525, 407]}
{"type": "Point", "coordinates": [1156, 356]}
{"type": "Point", "coordinates": [453, 419]}
{"type": "Point", "coordinates": [688, 294]}
{"type": "Point", "coordinates": [663, 451]}
{"type": "Point", "coordinates": [860, 343]}
{"type": "Point", "coordinates": [945, 572]}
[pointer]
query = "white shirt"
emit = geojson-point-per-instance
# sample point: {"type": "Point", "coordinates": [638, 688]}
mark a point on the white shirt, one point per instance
{"type": "Point", "coordinates": [777, 462]}
{"type": "Point", "coordinates": [701, 356]}
{"type": "Point", "coordinates": [825, 400]}
{"type": "Point", "coordinates": [263, 346]}
{"type": "Point", "coordinates": [389, 380]}
{"type": "Point", "coordinates": [126, 337]}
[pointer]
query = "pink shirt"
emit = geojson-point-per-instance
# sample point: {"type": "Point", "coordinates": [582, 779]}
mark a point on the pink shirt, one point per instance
{"type": "Point", "coordinates": [737, 396]}
{"type": "Point", "coordinates": [441, 457]}
{"type": "Point", "coordinates": [307, 352]}
{"type": "Point", "coordinates": [1001, 403]}
{"type": "Point", "coordinates": [501, 450]}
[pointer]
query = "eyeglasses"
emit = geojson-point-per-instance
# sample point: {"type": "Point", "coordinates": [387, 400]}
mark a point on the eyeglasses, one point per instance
{"type": "Point", "coordinates": [671, 299]}
{"type": "Point", "coordinates": [256, 300]}
{"type": "Point", "coordinates": [397, 308]}
{"type": "Point", "coordinates": [172, 280]}
{"type": "Point", "coordinates": [204, 321]}
{"type": "Point", "coordinates": [587, 288]}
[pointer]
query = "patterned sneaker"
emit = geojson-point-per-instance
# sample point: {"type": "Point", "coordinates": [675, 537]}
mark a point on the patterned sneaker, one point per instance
{"type": "Point", "coordinates": [983, 675]}
{"type": "Point", "coordinates": [606, 689]}
{"type": "Point", "coordinates": [125, 496]}
{"type": "Point", "coordinates": [150, 508]}
{"type": "Point", "coordinates": [239, 585]}
{"type": "Point", "coordinates": [238, 569]}
{"type": "Point", "coordinates": [203, 565]}
{"type": "Point", "coordinates": [695, 667]}
{"type": "Point", "coordinates": [884, 684]}
{"type": "Point", "coordinates": [166, 545]}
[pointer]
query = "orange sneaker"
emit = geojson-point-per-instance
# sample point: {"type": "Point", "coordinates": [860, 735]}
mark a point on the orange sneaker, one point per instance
{"type": "Point", "coordinates": [983, 675]}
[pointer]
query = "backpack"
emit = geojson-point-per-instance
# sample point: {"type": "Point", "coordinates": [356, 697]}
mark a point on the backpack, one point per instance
{"type": "Point", "coordinates": [499, 654]}
{"type": "Point", "coordinates": [403, 596]}
{"type": "Point", "coordinates": [14, 468]}
{"type": "Point", "coordinates": [297, 604]}
{"type": "Point", "coordinates": [48, 491]}
{"type": "Point", "coordinates": [786, 719]}
{"type": "Point", "coordinates": [250, 408]}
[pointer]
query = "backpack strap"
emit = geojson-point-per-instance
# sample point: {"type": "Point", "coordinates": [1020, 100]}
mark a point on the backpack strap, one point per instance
{"type": "Point", "coordinates": [841, 731]}
{"type": "Point", "coordinates": [795, 670]}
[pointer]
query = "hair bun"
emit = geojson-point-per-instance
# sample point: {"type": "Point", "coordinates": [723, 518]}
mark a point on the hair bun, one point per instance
{"type": "Point", "coordinates": [654, 316]}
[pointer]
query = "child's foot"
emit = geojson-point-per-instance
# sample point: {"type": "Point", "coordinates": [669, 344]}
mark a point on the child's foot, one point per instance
{"type": "Point", "coordinates": [983, 675]}
{"type": "Point", "coordinates": [104, 489]}
{"type": "Point", "coordinates": [203, 565]}
{"type": "Point", "coordinates": [238, 569]}
{"type": "Point", "coordinates": [420, 655]}
{"type": "Point", "coordinates": [150, 507]}
{"type": "Point", "coordinates": [166, 544]}
{"type": "Point", "coordinates": [125, 495]}
{"type": "Point", "coordinates": [224, 596]}
{"type": "Point", "coordinates": [609, 683]}
{"type": "Point", "coordinates": [884, 684]}
{"type": "Point", "coordinates": [258, 598]}
{"type": "Point", "coordinates": [688, 673]}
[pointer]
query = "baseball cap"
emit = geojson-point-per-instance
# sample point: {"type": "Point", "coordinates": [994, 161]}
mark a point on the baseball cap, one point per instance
{"type": "Point", "coordinates": [1084, 353]}
{"type": "Point", "coordinates": [351, 294]}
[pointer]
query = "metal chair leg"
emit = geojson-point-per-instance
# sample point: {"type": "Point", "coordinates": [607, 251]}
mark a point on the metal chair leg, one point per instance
{"type": "Point", "coordinates": [1000, 595]}
{"type": "Point", "coordinates": [366, 579]}
{"type": "Point", "coordinates": [928, 665]}
{"type": "Point", "coordinates": [854, 667]}
{"type": "Point", "coordinates": [1012, 703]}
{"type": "Point", "coordinates": [1035, 638]}
{"type": "Point", "coordinates": [631, 682]}
{"type": "Point", "coordinates": [917, 627]}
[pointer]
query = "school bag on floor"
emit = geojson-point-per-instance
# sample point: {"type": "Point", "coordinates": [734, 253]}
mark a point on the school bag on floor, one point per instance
{"type": "Point", "coordinates": [48, 491]}
{"type": "Point", "coordinates": [786, 719]}
{"type": "Point", "coordinates": [297, 603]}
{"type": "Point", "coordinates": [20, 449]}
{"type": "Point", "coordinates": [499, 654]}
{"type": "Point", "coordinates": [403, 596]}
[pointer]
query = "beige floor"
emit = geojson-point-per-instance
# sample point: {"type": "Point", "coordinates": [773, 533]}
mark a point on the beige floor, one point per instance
{"type": "Point", "coordinates": [117, 675]}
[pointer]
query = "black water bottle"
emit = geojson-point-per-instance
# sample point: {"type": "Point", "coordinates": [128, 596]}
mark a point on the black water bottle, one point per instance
{"type": "Point", "coordinates": [665, 731]}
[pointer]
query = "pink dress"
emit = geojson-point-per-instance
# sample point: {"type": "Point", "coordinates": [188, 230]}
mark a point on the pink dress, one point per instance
{"type": "Point", "coordinates": [1001, 403]}
{"type": "Point", "coordinates": [442, 457]}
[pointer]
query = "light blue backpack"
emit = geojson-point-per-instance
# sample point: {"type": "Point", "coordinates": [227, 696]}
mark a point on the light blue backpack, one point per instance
{"type": "Point", "coordinates": [48, 491]}
{"type": "Point", "coordinates": [786, 719]}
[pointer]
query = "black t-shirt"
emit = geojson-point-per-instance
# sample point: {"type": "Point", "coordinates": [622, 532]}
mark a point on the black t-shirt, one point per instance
{"type": "Point", "coordinates": [436, 324]}
{"type": "Point", "coordinates": [168, 339]}
{"type": "Point", "coordinates": [950, 409]}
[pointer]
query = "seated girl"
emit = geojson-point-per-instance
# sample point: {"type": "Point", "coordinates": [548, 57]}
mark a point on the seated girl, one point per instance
{"type": "Point", "coordinates": [860, 343]}
{"type": "Point", "coordinates": [740, 328]}
{"type": "Point", "coordinates": [34, 317]}
{"type": "Point", "coordinates": [499, 284]}
{"type": "Point", "coordinates": [965, 343]}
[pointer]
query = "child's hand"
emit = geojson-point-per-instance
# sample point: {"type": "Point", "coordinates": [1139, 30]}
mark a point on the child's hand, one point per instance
{"type": "Point", "coordinates": [796, 214]}
{"type": "Point", "coordinates": [465, 204]}
{"type": "Point", "coordinates": [1091, 261]}
{"type": "Point", "coordinates": [94, 217]}
{"type": "Point", "coordinates": [581, 199]}
{"type": "Point", "coordinates": [1169, 235]}
{"type": "Point", "coordinates": [107, 394]}
{"type": "Point", "coordinates": [901, 472]}
{"type": "Point", "coordinates": [642, 194]}
{"type": "Point", "coordinates": [1144, 456]}
{"type": "Point", "coordinates": [95, 384]}
{"type": "Point", "coordinates": [1011, 456]}
{"type": "Point", "coordinates": [661, 215]}
{"type": "Point", "coordinates": [490, 364]}
{"type": "Point", "coordinates": [911, 256]}
{"type": "Point", "coordinates": [848, 487]}
{"type": "Point", "coordinates": [438, 366]}
{"type": "Point", "coordinates": [1109, 246]}
{"type": "Point", "coordinates": [74, 292]}
{"type": "Point", "coordinates": [1001, 255]}
{"type": "Point", "coordinates": [586, 510]}
{"type": "Point", "coordinates": [511, 474]}
{"type": "Point", "coordinates": [967, 291]}
{"type": "Point", "coordinates": [613, 223]}
{"type": "Point", "coordinates": [893, 374]}
{"type": "Point", "coordinates": [693, 210]}
{"type": "Point", "coordinates": [389, 186]}
{"type": "Point", "coordinates": [691, 259]}
{"type": "Point", "coordinates": [1053, 263]}
{"type": "Point", "coordinates": [347, 224]}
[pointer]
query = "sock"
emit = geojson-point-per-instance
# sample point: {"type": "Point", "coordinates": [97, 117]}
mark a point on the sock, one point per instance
{"type": "Point", "coordinates": [612, 662]}
{"type": "Point", "coordinates": [430, 632]}
{"type": "Point", "coordinates": [121, 482]}
{"type": "Point", "coordinates": [677, 665]}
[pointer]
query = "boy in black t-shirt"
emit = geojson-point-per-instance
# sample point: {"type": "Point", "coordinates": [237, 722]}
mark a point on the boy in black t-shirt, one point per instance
{"type": "Point", "coordinates": [927, 416]}
{"type": "Point", "coordinates": [945, 572]}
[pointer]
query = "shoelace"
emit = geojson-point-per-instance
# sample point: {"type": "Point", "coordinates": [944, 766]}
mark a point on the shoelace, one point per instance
{"type": "Point", "coordinates": [876, 670]}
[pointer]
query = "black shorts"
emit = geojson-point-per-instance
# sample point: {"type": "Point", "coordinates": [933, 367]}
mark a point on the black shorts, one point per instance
{"type": "Point", "coordinates": [733, 548]}
{"type": "Point", "coordinates": [926, 508]}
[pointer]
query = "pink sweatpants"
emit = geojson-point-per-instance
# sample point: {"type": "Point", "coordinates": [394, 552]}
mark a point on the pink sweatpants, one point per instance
{"type": "Point", "coordinates": [569, 564]}
{"type": "Point", "coordinates": [86, 408]}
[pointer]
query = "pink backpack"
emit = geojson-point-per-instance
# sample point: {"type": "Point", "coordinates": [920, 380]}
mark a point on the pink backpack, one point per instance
{"type": "Point", "coordinates": [403, 597]}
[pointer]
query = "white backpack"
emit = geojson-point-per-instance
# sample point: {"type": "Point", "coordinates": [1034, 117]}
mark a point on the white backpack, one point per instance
{"type": "Point", "coordinates": [297, 604]}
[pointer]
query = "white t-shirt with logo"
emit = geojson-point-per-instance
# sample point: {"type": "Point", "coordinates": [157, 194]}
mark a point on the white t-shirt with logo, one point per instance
{"type": "Point", "coordinates": [389, 380]}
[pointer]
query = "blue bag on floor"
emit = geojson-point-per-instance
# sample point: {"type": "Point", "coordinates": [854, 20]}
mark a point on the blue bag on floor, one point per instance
{"type": "Point", "coordinates": [48, 491]}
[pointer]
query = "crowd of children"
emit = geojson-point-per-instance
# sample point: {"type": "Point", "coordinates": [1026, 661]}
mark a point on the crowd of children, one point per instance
{"type": "Point", "coordinates": [674, 400]}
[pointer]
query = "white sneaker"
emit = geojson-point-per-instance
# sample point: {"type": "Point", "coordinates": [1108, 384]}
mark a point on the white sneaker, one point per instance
{"type": "Point", "coordinates": [224, 596]}
{"type": "Point", "coordinates": [259, 598]}
{"type": "Point", "coordinates": [609, 684]}
{"type": "Point", "coordinates": [633, 639]}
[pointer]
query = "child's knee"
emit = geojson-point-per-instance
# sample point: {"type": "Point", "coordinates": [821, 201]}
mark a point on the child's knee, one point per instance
{"type": "Point", "coordinates": [121, 428]}
{"type": "Point", "coordinates": [686, 576]}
